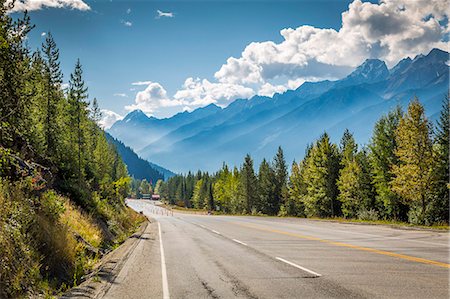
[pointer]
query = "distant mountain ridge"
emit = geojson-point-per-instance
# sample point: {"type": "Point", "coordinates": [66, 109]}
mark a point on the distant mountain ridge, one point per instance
{"type": "Point", "coordinates": [206, 137]}
{"type": "Point", "coordinates": [138, 167]}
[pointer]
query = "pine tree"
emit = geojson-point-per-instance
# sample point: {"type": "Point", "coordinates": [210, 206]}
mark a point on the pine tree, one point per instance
{"type": "Point", "coordinates": [348, 182]}
{"type": "Point", "coordinates": [321, 173]}
{"type": "Point", "coordinates": [280, 179]}
{"type": "Point", "coordinates": [267, 199]}
{"type": "Point", "coordinates": [78, 112]}
{"type": "Point", "coordinates": [14, 64]}
{"type": "Point", "coordinates": [53, 80]}
{"type": "Point", "coordinates": [248, 185]}
{"type": "Point", "coordinates": [382, 158]}
{"type": "Point", "coordinates": [439, 205]}
{"type": "Point", "coordinates": [414, 174]}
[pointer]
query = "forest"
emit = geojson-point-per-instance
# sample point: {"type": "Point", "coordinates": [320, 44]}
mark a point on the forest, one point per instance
{"type": "Point", "coordinates": [62, 184]}
{"type": "Point", "coordinates": [402, 176]}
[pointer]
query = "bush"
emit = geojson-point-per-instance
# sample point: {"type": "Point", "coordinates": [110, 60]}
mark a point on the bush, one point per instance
{"type": "Point", "coordinates": [370, 215]}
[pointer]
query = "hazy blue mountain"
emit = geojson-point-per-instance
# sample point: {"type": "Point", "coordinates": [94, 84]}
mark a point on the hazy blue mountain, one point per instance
{"type": "Point", "coordinates": [138, 167]}
{"type": "Point", "coordinates": [137, 130]}
{"type": "Point", "coordinates": [206, 137]}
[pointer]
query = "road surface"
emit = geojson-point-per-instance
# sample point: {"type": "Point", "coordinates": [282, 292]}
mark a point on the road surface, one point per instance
{"type": "Point", "coordinates": [200, 256]}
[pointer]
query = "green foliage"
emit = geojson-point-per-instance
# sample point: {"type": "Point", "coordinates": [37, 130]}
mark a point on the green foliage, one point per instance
{"type": "Point", "coordinates": [268, 201]}
{"type": "Point", "coordinates": [280, 178]}
{"type": "Point", "coordinates": [50, 144]}
{"type": "Point", "coordinates": [248, 187]}
{"type": "Point", "coordinates": [414, 174]}
{"type": "Point", "coordinates": [321, 173]}
{"type": "Point", "coordinates": [382, 158]}
{"type": "Point", "coordinates": [438, 210]}
{"type": "Point", "coordinates": [354, 183]}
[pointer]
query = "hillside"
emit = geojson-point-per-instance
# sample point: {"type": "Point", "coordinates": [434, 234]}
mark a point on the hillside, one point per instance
{"type": "Point", "coordinates": [62, 185]}
{"type": "Point", "coordinates": [137, 167]}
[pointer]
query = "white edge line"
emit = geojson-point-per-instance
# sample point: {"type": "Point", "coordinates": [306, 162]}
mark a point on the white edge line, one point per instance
{"type": "Point", "coordinates": [299, 267]}
{"type": "Point", "coordinates": [216, 232]}
{"type": "Point", "coordinates": [202, 225]}
{"type": "Point", "coordinates": [237, 241]}
{"type": "Point", "coordinates": [165, 283]}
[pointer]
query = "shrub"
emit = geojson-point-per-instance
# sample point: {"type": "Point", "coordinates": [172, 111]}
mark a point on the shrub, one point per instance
{"type": "Point", "coordinates": [370, 215]}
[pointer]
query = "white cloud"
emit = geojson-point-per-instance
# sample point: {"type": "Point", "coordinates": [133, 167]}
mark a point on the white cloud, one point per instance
{"type": "Point", "coordinates": [127, 23]}
{"type": "Point", "coordinates": [109, 118]}
{"type": "Point", "coordinates": [43, 34]}
{"type": "Point", "coordinates": [152, 99]}
{"type": "Point", "coordinates": [139, 83]}
{"type": "Point", "coordinates": [22, 5]}
{"type": "Point", "coordinates": [128, 11]}
{"type": "Point", "coordinates": [196, 93]}
{"type": "Point", "coordinates": [269, 90]}
{"type": "Point", "coordinates": [162, 14]}
{"type": "Point", "coordinates": [390, 30]}
{"type": "Point", "coordinates": [123, 95]}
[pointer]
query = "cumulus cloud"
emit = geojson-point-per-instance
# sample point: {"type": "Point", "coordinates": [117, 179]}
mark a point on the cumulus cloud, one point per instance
{"type": "Point", "coordinates": [269, 90]}
{"type": "Point", "coordinates": [109, 118]}
{"type": "Point", "coordinates": [197, 92]}
{"type": "Point", "coordinates": [22, 5]}
{"type": "Point", "coordinates": [389, 30]}
{"type": "Point", "coordinates": [152, 99]}
{"type": "Point", "coordinates": [43, 34]}
{"type": "Point", "coordinates": [193, 94]}
{"type": "Point", "coordinates": [128, 11]}
{"type": "Point", "coordinates": [162, 14]}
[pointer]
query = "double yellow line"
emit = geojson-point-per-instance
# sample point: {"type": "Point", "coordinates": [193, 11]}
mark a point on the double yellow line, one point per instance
{"type": "Point", "coordinates": [340, 244]}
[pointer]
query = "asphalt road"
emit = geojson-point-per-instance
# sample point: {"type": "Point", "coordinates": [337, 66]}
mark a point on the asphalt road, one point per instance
{"type": "Point", "coordinates": [199, 256]}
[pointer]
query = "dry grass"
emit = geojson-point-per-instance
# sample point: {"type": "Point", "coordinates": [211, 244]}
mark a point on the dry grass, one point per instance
{"type": "Point", "coordinates": [81, 223]}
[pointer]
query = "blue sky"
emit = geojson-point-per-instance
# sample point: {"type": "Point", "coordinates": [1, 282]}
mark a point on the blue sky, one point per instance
{"type": "Point", "coordinates": [186, 50]}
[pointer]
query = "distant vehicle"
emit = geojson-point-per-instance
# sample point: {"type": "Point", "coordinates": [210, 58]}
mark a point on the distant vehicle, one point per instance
{"type": "Point", "coordinates": [156, 197]}
{"type": "Point", "coordinates": [146, 196]}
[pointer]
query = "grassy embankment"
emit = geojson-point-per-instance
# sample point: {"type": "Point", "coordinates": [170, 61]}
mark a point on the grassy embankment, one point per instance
{"type": "Point", "coordinates": [47, 243]}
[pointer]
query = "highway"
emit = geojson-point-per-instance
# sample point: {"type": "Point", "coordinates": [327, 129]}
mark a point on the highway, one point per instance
{"type": "Point", "coordinates": [201, 256]}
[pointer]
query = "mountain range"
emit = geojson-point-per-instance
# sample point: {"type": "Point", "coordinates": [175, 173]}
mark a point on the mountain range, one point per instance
{"type": "Point", "coordinates": [207, 137]}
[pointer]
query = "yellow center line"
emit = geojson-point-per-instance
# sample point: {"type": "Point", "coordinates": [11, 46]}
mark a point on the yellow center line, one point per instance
{"type": "Point", "coordinates": [373, 250]}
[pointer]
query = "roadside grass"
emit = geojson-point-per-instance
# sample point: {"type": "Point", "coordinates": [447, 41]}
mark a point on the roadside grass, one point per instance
{"type": "Point", "coordinates": [47, 243]}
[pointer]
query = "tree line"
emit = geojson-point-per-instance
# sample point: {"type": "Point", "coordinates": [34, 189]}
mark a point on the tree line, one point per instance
{"type": "Point", "coordinates": [401, 175]}
{"type": "Point", "coordinates": [53, 125]}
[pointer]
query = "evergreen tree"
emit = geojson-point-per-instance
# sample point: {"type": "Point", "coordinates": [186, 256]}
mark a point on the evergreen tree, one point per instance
{"type": "Point", "coordinates": [198, 197]}
{"type": "Point", "coordinates": [14, 64]}
{"type": "Point", "coordinates": [78, 112]}
{"type": "Point", "coordinates": [321, 173]}
{"type": "Point", "coordinates": [53, 80]}
{"type": "Point", "coordinates": [382, 158]}
{"type": "Point", "coordinates": [414, 174]}
{"type": "Point", "coordinates": [248, 185]}
{"type": "Point", "coordinates": [349, 174]}
{"type": "Point", "coordinates": [439, 205]}
{"type": "Point", "coordinates": [268, 198]}
{"type": "Point", "coordinates": [280, 180]}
